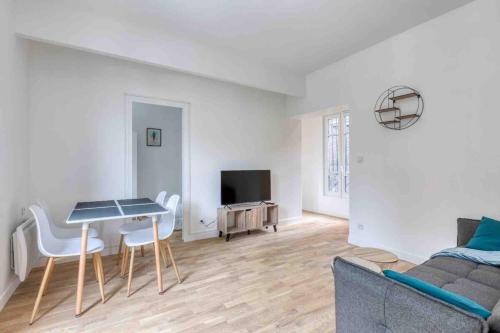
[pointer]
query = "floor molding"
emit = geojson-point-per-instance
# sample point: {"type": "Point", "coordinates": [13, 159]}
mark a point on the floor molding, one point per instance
{"type": "Point", "coordinates": [325, 214]}
{"type": "Point", "coordinates": [410, 257]}
{"type": "Point", "coordinates": [201, 235]}
{"type": "Point", "coordinates": [9, 291]}
{"type": "Point", "coordinates": [215, 233]}
{"type": "Point", "coordinates": [290, 220]}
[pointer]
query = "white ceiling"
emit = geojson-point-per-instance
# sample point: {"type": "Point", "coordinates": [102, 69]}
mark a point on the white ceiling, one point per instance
{"type": "Point", "coordinates": [299, 36]}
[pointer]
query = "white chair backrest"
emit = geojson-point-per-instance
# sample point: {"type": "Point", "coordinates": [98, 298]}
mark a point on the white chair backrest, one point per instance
{"type": "Point", "coordinates": [167, 221]}
{"type": "Point", "coordinates": [160, 198]}
{"type": "Point", "coordinates": [46, 240]}
{"type": "Point", "coordinates": [173, 203]}
{"type": "Point", "coordinates": [56, 230]}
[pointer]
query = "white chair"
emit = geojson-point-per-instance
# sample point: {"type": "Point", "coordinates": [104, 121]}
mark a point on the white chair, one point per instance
{"type": "Point", "coordinates": [145, 236]}
{"type": "Point", "coordinates": [54, 248]}
{"type": "Point", "coordinates": [127, 228]}
{"type": "Point", "coordinates": [60, 232]}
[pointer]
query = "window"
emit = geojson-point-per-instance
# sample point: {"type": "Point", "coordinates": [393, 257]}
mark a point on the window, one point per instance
{"type": "Point", "coordinates": [336, 154]}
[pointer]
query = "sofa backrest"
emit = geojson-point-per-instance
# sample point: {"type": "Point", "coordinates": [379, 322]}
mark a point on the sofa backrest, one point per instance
{"type": "Point", "coordinates": [465, 230]}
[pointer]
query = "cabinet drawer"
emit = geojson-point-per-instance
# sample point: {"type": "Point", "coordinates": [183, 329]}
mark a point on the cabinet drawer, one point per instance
{"type": "Point", "coordinates": [251, 218]}
{"type": "Point", "coordinates": [240, 220]}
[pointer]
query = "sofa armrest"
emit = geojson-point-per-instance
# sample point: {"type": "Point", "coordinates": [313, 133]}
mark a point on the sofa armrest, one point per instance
{"type": "Point", "coordinates": [369, 302]}
{"type": "Point", "coordinates": [465, 230]}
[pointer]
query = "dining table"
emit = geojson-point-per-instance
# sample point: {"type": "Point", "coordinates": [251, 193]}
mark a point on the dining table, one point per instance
{"type": "Point", "coordinates": [88, 212]}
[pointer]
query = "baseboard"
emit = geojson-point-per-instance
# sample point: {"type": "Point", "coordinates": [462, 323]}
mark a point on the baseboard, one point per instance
{"type": "Point", "coordinates": [410, 257]}
{"type": "Point", "coordinates": [339, 216]}
{"type": "Point", "coordinates": [290, 220]}
{"type": "Point", "coordinates": [215, 233]}
{"type": "Point", "coordinates": [110, 250]}
{"type": "Point", "coordinates": [201, 235]}
{"type": "Point", "coordinates": [7, 293]}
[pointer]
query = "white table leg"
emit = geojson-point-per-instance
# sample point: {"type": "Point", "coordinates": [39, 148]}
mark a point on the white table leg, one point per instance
{"type": "Point", "coordinates": [81, 270]}
{"type": "Point", "coordinates": [157, 254]}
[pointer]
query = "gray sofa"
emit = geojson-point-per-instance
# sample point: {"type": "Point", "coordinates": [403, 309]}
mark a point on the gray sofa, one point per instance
{"type": "Point", "coordinates": [369, 302]}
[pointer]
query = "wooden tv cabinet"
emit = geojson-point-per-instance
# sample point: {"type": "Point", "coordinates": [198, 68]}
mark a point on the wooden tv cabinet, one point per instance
{"type": "Point", "coordinates": [241, 218]}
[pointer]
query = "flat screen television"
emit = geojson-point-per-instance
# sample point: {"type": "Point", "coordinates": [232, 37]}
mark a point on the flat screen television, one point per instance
{"type": "Point", "coordinates": [242, 186]}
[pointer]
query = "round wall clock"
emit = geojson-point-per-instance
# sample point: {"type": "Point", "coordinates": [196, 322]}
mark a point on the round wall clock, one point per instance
{"type": "Point", "coordinates": [399, 107]}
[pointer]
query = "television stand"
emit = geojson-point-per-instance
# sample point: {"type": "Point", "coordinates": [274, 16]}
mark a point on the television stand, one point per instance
{"type": "Point", "coordinates": [236, 219]}
{"type": "Point", "coordinates": [242, 205]}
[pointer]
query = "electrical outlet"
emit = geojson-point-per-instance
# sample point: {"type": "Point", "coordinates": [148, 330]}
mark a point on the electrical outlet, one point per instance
{"type": "Point", "coordinates": [23, 211]}
{"type": "Point", "coordinates": [360, 226]}
{"type": "Point", "coordinates": [208, 222]}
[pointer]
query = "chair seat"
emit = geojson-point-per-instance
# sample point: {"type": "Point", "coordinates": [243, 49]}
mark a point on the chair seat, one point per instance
{"type": "Point", "coordinates": [144, 237]}
{"type": "Point", "coordinates": [68, 233]}
{"type": "Point", "coordinates": [127, 228]}
{"type": "Point", "coordinates": [71, 247]}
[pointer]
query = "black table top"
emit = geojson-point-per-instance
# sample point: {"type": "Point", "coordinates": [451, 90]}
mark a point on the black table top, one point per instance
{"type": "Point", "coordinates": [93, 211]}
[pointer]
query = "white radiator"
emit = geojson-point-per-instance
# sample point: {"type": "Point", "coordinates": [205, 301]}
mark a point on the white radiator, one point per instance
{"type": "Point", "coordinates": [24, 249]}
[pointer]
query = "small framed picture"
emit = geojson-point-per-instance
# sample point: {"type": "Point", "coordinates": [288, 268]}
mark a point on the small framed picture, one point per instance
{"type": "Point", "coordinates": [153, 137]}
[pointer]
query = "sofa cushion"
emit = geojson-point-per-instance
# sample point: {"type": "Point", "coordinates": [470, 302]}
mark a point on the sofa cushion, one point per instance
{"type": "Point", "coordinates": [440, 293]}
{"type": "Point", "coordinates": [487, 236]}
{"type": "Point", "coordinates": [479, 293]}
{"type": "Point", "coordinates": [487, 275]}
{"type": "Point", "coordinates": [458, 267]}
{"type": "Point", "coordinates": [436, 276]}
{"type": "Point", "coordinates": [480, 283]}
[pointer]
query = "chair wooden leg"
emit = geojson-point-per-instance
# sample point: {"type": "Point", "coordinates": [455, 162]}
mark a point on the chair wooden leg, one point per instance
{"type": "Point", "coordinates": [142, 250]}
{"type": "Point", "coordinates": [81, 270]}
{"type": "Point", "coordinates": [99, 273]}
{"type": "Point", "coordinates": [130, 270]}
{"type": "Point", "coordinates": [99, 261]}
{"type": "Point", "coordinates": [94, 263]}
{"type": "Point", "coordinates": [125, 255]}
{"type": "Point", "coordinates": [156, 242]}
{"type": "Point", "coordinates": [43, 285]}
{"type": "Point", "coordinates": [163, 255]}
{"type": "Point", "coordinates": [120, 245]}
{"type": "Point", "coordinates": [48, 279]}
{"type": "Point", "coordinates": [124, 261]}
{"type": "Point", "coordinates": [164, 244]}
{"type": "Point", "coordinates": [173, 261]}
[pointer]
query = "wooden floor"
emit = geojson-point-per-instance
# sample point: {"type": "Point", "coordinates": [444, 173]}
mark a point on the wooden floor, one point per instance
{"type": "Point", "coordinates": [263, 282]}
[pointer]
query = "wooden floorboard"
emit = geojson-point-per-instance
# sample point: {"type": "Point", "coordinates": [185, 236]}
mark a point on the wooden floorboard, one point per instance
{"type": "Point", "coordinates": [263, 282]}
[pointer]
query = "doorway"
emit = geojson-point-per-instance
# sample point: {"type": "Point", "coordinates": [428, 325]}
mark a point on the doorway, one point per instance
{"type": "Point", "coordinates": [156, 152]}
{"type": "Point", "coordinates": [325, 162]}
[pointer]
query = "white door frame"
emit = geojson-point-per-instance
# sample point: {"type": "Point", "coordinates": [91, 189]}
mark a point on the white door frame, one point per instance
{"type": "Point", "coordinates": [186, 165]}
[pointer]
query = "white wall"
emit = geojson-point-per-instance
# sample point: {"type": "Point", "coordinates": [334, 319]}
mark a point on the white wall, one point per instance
{"type": "Point", "coordinates": [313, 194]}
{"type": "Point", "coordinates": [158, 168]}
{"type": "Point", "coordinates": [13, 141]}
{"type": "Point", "coordinates": [77, 123]}
{"type": "Point", "coordinates": [73, 25]}
{"type": "Point", "coordinates": [413, 184]}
